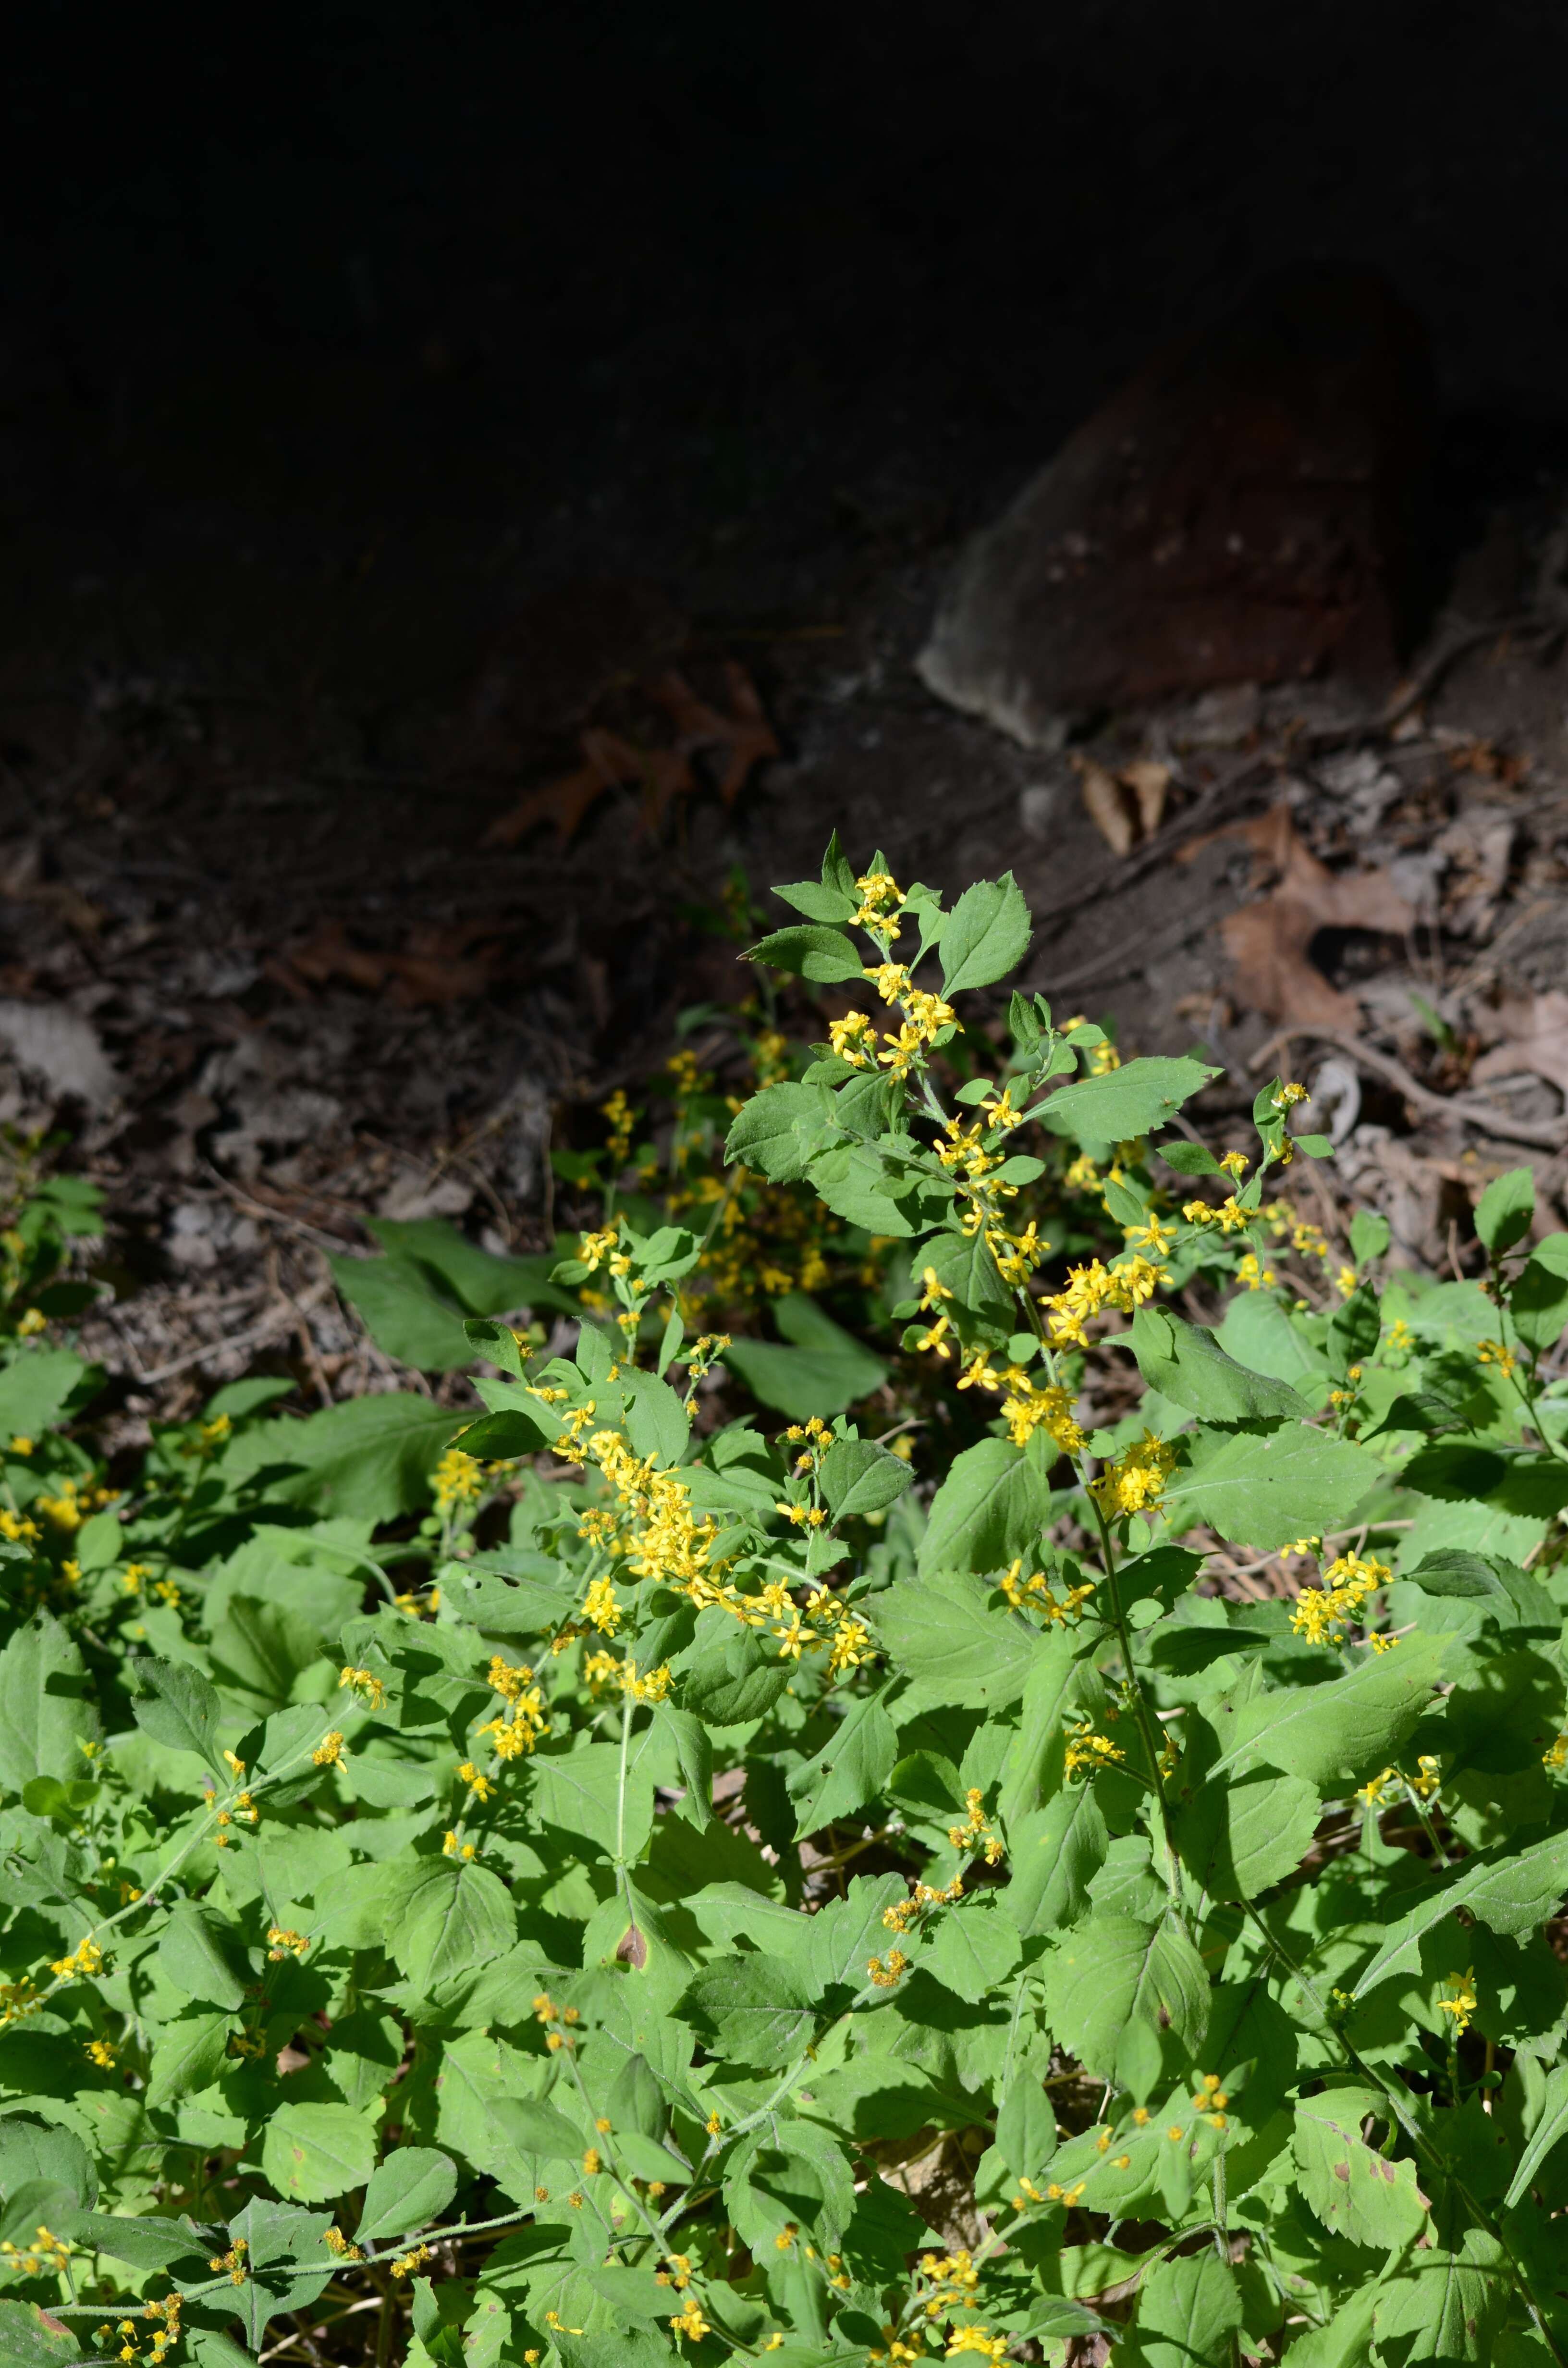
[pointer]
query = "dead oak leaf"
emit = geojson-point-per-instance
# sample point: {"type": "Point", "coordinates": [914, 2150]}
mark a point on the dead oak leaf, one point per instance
{"type": "Point", "coordinates": [1268, 941]}
{"type": "Point", "coordinates": [735, 741]}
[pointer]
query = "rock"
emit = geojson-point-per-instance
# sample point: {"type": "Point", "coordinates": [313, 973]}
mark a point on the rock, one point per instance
{"type": "Point", "coordinates": [1246, 510]}
{"type": "Point", "coordinates": [62, 1048]}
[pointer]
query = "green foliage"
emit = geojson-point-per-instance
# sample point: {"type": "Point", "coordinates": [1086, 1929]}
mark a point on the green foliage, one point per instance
{"type": "Point", "coordinates": [1058, 1844]}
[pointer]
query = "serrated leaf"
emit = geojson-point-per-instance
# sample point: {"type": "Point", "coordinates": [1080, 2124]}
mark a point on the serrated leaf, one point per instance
{"type": "Point", "coordinates": [985, 935]}
{"type": "Point", "coordinates": [1356, 2191]}
{"type": "Point", "coordinates": [753, 2009]}
{"type": "Point", "coordinates": [813, 951]}
{"type": "Point", "coordinates": [1126, 1102]}
{"type": "Point", "coordinates": [850, 1769]}
{"type": "Point", "coordinates": [972, 1949]}
{"type": "Point", "coordinates": [202, 1956]}
{"type": "Point", "coordinates": [1186, 1363]}
{"type": "Point", "coordinates": [991, 1507]}
{"type": "Point", "coordinates": [1113, 1975]}
{"type": "Point", "coordinates": [407, 2191]}
{"type": "Point", "coordinates": [1187, 2310]}
{"type": "Point", "coordinates": [1340, 1729]}
{"type": "Point", "coordinates": [1512, 1891]}
{"type": "Point", "coordinates": [45, 1711]}
{"type": "Point", "coordinates": [313, 2152]}
{"type": "Point", "coordinates": [945, 1632]}
{"type": "Point", "coordinates": [856, 1477]}
{"type": "Point", "coordinates": [778, 1130]}
{"type": "Point", "coordinates": [1239, 1836]}
{"type": "Point", "coordinates": [1264, 1492]}
{"type": "Point", "coordinates": [191, 2053]}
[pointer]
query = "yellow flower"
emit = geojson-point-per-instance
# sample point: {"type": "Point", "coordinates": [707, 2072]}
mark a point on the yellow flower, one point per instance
{"type": "Point", "coordinates": [329, 1751]}
{"type": "Point", "coordinates": [850, 1038]}
{"type": "Point", "coordinates": [1086, 1751]}
{"type": "Point", "coordinates": [366, 1683]}
{"type": "Point", "coordinates": [1462, 2004]}
{"type": "Point", "coordinates": [885, 1974]}
{"type": "Point", "coordinates": [1134, 1481]}
{"type": "Point", "coordinates": [1492, 1352]}
{"type": "Point", "coordinates": [459, 1480]}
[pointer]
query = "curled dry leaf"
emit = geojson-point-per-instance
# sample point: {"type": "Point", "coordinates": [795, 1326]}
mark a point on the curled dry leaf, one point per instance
{"type": "Point", "coordinates": [440, 964]}
{"type": "Point", "coordinates": [1268, 941]}
{"type": "Point", "coordinates": [734, 742]}
{"type": "Point", "coordinates": [1125, 807]}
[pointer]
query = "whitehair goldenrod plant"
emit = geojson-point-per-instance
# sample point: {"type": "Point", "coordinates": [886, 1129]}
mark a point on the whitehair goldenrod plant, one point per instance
{"type": "Point", "coordinates": [612, 1887]}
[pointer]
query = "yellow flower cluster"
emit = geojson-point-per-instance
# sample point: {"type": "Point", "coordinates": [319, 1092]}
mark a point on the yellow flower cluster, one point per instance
{"type": "Point", "coordinates": [690, 2324]}
{"type": "Point", "coordinates": [283, 1942]}
{"type": "Point", "coordinates": [329, 1751]}
{"type": "Point", "coordinates": [884, 1974]}
{"type": "Point", "coordinates": [1492, 1352]}
{"type": "Point", "coordinates": [1323, 1613]}
{"type": "Point", "coordinates": [1087, 1751]}
{"type": "Point", "coordinates": [366, 1683]}
{"type": "Point", "coordinates": [1555, 1756]}
{"type": "Point", "coordinates": [47, 2255]}
{"type": "Point", "coordinates": [1390, 1783]}
{"type": "Point", "coordinates": [1092, 1288]}
{"type": "Point", "coordinates": [976, 1833]}
{"type": "Point", "coordinates": [906, 1913]}
{"type": "Point", "coordinates": [526, 1718]}
{"type": "Point", "coordinates": [978, 2339]}
{"type": "Point", "coordinates": [602, 1670]}
{"type": "Point", "coordinates": [1035, 1594]}
{"type": "Point", "coordinates": [1136, 1479]}
{"type": "Point", "coordinates": [84, 1963]}
{"type": "Point", "coordinates": [459, 1480]}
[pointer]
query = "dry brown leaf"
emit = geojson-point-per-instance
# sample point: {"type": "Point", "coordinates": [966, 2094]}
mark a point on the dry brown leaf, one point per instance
{"type": "Point", "coordinates": [1268, 941]}
{"type": "Point", "coordinates": [739, 740]}
{"type": "Point", "coordinates": [1148, 783]}
{"type": "Point", "coordinates": [1534, 1030]}
{"type": "Point", "coordinates": [440, 966]}
{"type": "Point", "coordinates": [1124, 807]}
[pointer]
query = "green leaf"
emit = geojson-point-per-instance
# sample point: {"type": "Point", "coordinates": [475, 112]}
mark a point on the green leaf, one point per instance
{"type": "Point", "coordinates": [262, 1648]}
{"type": "Point", "coordinates": [850, 1770]}
{"type": "Point", "coordinates": [1054, 1854]}
{"type": "Point", "coordinates": [537, 2128]}
{"type": "Point", "coordinates": [1538, 1302]}
{"type": "Point", "coordinates": [30, 2337]}
{"type": "Point", "coordinates": [822, 1372]}
{"type": "Point", "coordinates": [985, 935]}
{"type": "Point", "coordinates": [202, 1957]}
{"type": "Point", "coordinates": [1513, 1891]}
{"type": "Point", "coordinates": [1503, 1212]}
{"type": "Point", "coordinates": [485, 1284]}
{"type": "Point", "coordinates": [35, 1389]}
{"type": "Point", "coordinates": [1186, 1363]}
{"type": "Point", "coordinates": [1356, 2191]}
{"type": "Point", "coordinates": [1126, 1102]}
{"type": "Point", "coordinates": [657, 1423]}
{"type": "Point", "coordinates": [45, 1711]}
{"type": "Point", "coordinates": [943, 1633]}
{"type": "Point", "coordinates": [860, 1185]}
{"type": "Point", "coordinates": [991, 1507]}
{"type": "Point", "coordinates": [315, 2152]}
{"type": "Point", "coordinates": [973, 1949]}
{"type": "Point", "coordinates": [31, 2151]}
{"type": "Point", "coordinates": [1340, 1729]}
{"type": "Point", "coordinates": [846, 1933]}
{"type": "Point", "coordinates": [777, 1131]}
{"type": "Point", "coordinates": [1447, 2300]}
{"type": "Point", "coordinates": [409, 2191]}
{"type": "Point", "coordinates": [963, 1264]}
{"type": "Point", "coordinates": [821, 901]}
{"type": "Point", "coordinates": [403, 1313]}
{"type": "Point", "coordinates": [1189, 1158]}
{"type": "Point", "coordinates": [751, 2010]}
{"type": "Point", "coordinates": [142, 2241]}
{"type": "Point", "coordinates": [1238, 1839]}
{"type": "Point", "coordinates": [1369, 1236]}
{"type": "Point", "coordinates": [1111, 1976]}
{"type": "Point", "coordinates": [815, 951]}
{"type": "Point", "coordinates": [1551, 2127]}
{"type": "Point", "coordinates": [857, 1477]}
{"type": "Point", "coordinates": [189, 2055]}
{"type": "Point", "coordinates": [582, 1792]}
{"type": "Point", "coordinates": [461, 1917]}
{"type": "Point", "coordinates": [1264, 1492]}
{"type": "Point", "coordinates": [175, 1705]}
{"type": "Point", "coordinates": [1188, 2308]}
{"type": "Point", "coordinates": [368, 1457]}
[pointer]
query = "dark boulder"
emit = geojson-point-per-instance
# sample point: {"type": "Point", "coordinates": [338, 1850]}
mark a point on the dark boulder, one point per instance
{"type": "Point", "coordinates": [1248, 508]}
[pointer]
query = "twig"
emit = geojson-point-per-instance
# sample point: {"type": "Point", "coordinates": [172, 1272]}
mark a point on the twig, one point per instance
{"type": "Point", "coordinates": [279, 1320]}
{"type": "Point", "coordinates": [1450, 1106]}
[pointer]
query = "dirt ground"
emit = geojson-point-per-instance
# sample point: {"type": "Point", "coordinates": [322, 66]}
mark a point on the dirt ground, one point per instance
{"type": "Point", "coordinates": [262, 965]}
